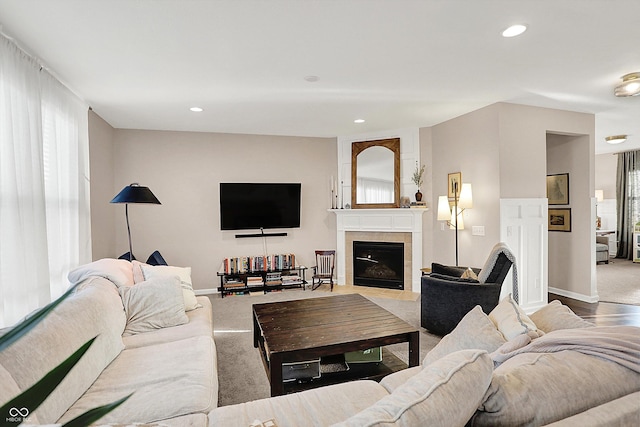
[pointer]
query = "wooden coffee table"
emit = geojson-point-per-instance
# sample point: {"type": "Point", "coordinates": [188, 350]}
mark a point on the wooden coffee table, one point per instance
{"type": "Point", "coordinates": [301, 330]}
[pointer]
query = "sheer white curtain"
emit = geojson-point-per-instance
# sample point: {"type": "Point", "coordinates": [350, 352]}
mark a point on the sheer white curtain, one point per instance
{"type": "Point", "coordinates": [44, 213]}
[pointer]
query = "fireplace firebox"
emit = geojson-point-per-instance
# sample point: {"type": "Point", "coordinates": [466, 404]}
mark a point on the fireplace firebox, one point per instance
{"type": "Point", "coordinates": [378, 264]}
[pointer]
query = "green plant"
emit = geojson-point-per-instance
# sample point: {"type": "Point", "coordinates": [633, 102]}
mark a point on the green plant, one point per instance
{"type": "Point", "coordinates": [417, 175]}
{"type": "Point", "coordinates": [33, 397]}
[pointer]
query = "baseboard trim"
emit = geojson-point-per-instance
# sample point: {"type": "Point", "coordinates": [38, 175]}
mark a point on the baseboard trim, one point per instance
{"type": "Point", "coordinates": [574, 295]}
{"type": "Point", "coordinates": [200, 292]}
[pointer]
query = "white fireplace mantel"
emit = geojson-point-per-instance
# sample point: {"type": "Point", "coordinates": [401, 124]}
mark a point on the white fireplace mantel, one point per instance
{"type": "Point", "coordinates": [400, 220]}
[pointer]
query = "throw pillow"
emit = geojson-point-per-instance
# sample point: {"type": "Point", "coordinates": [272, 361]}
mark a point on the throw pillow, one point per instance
{"type": "Point", "coordinates": [475, 331]}
{"type": "Point", "coordinates": [512, 321]}
{"type": "Point", "coordinates": [138, 276]}
{"type": "Point", "coordinates": [534, 389]}
{"type": "Point", "coordinates": [184, 273]}
{"type": "Point", "coordinates": [117, 271]}
{"type": "Point", "coordinates": [447, 392]}
{"type": "Point", "coordinates": [554, 316]}
{"type": "Point", "coordinates": [153, 304]}
{"type": "Point", "coordinates": [469, 274]}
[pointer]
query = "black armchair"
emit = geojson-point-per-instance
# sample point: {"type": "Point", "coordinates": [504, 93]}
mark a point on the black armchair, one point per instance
{"type": "Point", "coordinates": [446, 298]}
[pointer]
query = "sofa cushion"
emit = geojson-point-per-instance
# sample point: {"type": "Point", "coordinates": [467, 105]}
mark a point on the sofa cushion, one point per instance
{"type": "Point", "coordinates": [167, 380]}
{"type": "Point", "coordinates": [117, 271]}
{"type": "Point", "coordinates": [8, 390]}
{"type": "Point", "coordinates": [316, 407]}
{"type": "Point", "coordinates": [184, 273]}
{"type": "Point", "coordinates": [554, 316]}
{"type": "Point", "coordinates": [153, 304]}
{"type": "Point", "coordinates": [396, 379]}
{"type": "Point", "coordinates": [200, 324]}
{"type": "Point", "coordinates": [446, 392]}
{"type": "Point", "coordinates": [95, 309]}
{"type": "Point", "coordinates": [475, 331]}
{"type": "Point", "coordinates": [512, 321]}
{"type": "Point", "coordinates": [540, 388]}
{"type": "Point", "coordinates": [623, 411]}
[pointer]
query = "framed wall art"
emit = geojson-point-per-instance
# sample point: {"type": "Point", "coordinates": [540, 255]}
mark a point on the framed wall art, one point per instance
{"type": "Point", "coordinates": [558, 189]}
{"type": "Point", "coordinates": [453, 180]}
{"type": "Point", "coordinates": [560, 219]}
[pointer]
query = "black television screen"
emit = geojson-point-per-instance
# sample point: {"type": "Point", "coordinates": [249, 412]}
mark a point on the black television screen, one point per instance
{"type": "Point", "coordinates": [250, 206]}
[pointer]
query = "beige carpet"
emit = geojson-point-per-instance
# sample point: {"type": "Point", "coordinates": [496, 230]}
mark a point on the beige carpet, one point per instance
{"type": "Point", "coordinates": [240, 371]}
{"type": "Point", "coordinates": [619, 282]}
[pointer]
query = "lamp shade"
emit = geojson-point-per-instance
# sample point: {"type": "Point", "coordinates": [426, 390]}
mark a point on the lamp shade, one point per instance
{"type": "Point", "coordinates": [135, 193]}
{"type": "Point", "coordinates": [466, 199]}
{"type": "Point", "coordinates": [599, 195]}
{"type": "Point", "coordinates": [444, 211]}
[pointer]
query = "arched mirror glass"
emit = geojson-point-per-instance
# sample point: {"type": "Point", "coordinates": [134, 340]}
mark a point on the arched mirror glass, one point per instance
{"type": "Point", "coordinates": [375, 173]}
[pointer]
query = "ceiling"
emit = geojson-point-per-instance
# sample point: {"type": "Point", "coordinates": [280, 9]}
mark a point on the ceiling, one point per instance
{"type": "Point", "coordinates": [395, 63]}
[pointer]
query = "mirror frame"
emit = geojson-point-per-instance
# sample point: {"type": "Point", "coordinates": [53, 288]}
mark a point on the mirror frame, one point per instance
{"type": "Point", "coordinates": [392, 144]}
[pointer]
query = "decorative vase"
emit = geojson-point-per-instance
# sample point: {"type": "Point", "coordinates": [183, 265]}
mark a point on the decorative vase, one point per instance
{"type": "Point", "coordinates": [418, 196]}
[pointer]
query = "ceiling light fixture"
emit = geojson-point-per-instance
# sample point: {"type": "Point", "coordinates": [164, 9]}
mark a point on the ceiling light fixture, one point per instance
{"type": "Point", "coordinates": [616, 139]}
{"type": "Point", "coordinates": [196, 109]}
{"type": "Point", "coordinates": [514, 30]}
{"type": "Point", "coordinates": [630, 85]}
{"type": "Point", "coordinates": [358, 121]}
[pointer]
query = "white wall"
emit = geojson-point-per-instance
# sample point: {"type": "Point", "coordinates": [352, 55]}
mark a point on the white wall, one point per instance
{"type": "Point", "coordinates": [184, 170]}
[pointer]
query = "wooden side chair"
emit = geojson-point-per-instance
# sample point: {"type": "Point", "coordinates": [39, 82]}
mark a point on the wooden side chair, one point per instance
{"type": "Point", "coordinates": [323, 270]}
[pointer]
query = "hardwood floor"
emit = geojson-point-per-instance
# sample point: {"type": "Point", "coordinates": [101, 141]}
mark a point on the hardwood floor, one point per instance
{"type": "Point", "coordinates": [602, 313]}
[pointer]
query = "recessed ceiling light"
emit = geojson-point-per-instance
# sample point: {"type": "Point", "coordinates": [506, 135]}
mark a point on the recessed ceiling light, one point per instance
{"type": "Point", "coordinates": [358, 121]}
{"type": "Point", "coordinates": [616, 139]}
{"type": "Point", "coordinates": [514, 30]}
{"type": "Point", "coordinates": [196, 109]}
{"type": "Point", "coordinates": [630, 85]}
{"type": "Point", "coordinates": [312, 79]}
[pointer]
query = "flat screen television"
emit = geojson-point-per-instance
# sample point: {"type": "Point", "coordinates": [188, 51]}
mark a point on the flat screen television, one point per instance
{"type": "Point", "coordinates": [250, 206]}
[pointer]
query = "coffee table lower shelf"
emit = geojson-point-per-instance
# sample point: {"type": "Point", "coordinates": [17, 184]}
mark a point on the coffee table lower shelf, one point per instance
{"type": "Point", "coordinates": [357, 371]}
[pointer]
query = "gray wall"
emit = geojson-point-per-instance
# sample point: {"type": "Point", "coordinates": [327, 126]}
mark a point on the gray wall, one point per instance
{"type": "Point", "coordinates": [184, 169]}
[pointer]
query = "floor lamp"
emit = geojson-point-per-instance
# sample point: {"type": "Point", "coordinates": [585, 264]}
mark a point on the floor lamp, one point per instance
{"type": "Point", "coordinates": [134, 193]}
{"type": "Point", "coordinates": [462, 200]}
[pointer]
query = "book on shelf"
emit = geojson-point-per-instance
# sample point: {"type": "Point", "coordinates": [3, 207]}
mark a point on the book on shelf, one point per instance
{"type": "Point", "coordinates": [234, 285]}
{"type": "Point", "coordinates": [246, 264]}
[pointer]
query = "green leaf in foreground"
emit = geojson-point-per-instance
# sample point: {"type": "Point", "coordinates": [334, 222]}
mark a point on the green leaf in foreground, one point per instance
{"type": "Point", "coordinates": [93, 415]}
{"type": "Point", "coordinates": [37, 393]}
{"type": "Point", "coordinates": [29, 323]}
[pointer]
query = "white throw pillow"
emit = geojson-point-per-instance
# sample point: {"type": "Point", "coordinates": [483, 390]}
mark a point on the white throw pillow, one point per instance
{"type": "Point", "coordinates": [117, 271]}
{"type": "Point", "coordinates": [474, 331]}
{"type": "Point", "coordinates": [184, 273]}
{"type": "Point", "coordinates": [138, 276]}
{"type": "Point", "coordinates": [554, 316]}
{"type": "Point", "coordinates": [153, 304]}
{"type": "Point", "coordinates": [512, 321]}
{"type": "Point", "coordinates": [445, 393]}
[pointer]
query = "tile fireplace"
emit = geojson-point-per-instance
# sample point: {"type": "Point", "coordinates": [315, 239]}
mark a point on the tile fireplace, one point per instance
{"type": "Point", "coordinates": [380, 225]}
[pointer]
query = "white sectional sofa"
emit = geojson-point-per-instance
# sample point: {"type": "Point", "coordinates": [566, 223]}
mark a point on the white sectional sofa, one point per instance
{"type": "Point", "coordinates": [171, 371]}
{"type": "Point", "coordinates": [458, 385]}
{"type": "Point", "coordinates": [154, 339]}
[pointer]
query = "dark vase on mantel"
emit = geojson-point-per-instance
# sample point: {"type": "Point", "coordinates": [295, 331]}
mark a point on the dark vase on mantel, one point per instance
{"type": "Point", "coordinates": [418, 196]}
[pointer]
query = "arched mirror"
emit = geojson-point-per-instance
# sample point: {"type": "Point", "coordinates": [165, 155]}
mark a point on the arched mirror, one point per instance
{"type": "Point", "coordinates": [375, 174]}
